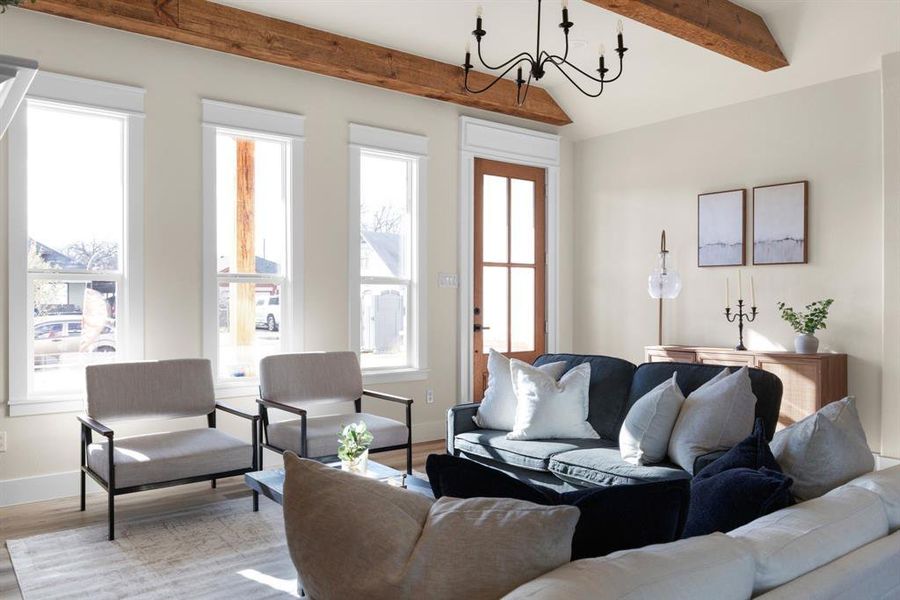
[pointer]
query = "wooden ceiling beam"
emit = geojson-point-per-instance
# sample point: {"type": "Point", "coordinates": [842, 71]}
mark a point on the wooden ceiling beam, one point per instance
{"type": "Point", "coordinates": [217, 27]}
{"type": "Point", "coordinates": [717, 25]}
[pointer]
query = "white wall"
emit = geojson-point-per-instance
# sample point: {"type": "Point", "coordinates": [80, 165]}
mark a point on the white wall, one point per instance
{"type": "Point", "coordinates": [890, 106]}
{"type": "Point", "coordinates": [634, 183]}
{"type": "Point", "coordinates": [176, 77]}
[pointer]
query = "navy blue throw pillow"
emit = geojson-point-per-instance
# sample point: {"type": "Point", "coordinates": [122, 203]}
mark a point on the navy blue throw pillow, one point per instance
{"type": "Point", "coordinates": [751, 453]}
{"type": "Point", "coordinates": [612, 518]}
{"type": "Point", "coordinates": [725, 501]}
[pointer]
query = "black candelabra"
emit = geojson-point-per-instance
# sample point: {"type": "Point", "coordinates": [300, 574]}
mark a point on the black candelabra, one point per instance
{"type": "Point", "coordinates": [740, 316]}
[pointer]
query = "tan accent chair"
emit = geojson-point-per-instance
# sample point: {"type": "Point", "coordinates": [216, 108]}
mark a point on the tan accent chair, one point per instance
{"type": "Point", "coordinates": [166, 389]}
{"type": "Point", "coordinates": [294, 383]}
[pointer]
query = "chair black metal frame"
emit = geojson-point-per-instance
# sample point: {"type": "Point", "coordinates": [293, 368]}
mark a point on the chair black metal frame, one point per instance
{"type": "Point", "coordinates": [90, 425]}
{"type": "Point", "coordinates": [265, 405]}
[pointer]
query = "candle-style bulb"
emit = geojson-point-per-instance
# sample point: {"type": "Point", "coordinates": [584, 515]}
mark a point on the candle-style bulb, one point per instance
{"type": "Point", "coordinates": [602, 50]}
{"type": "Point", "coordinates": [619, 27]}
{"type": "Point", "coordinates": [468, 47]}
{"type": "Point", "coordinates": [479, 12]}
{"type": "Point", "coordinates": [565, 4]}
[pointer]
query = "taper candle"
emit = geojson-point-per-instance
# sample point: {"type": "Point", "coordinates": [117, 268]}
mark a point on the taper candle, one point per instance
{"type": "Point", "coordinates": [727, 294]}
{"type": "Point", "coordinates": [752, 292]}
{"type": "Point", "coordinates": [740, 286]}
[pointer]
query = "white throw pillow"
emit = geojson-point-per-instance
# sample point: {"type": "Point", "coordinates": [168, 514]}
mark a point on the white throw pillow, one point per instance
{"type": "Point", "coordinates": [715, 416]}
{"type": "Point", "coordinates": [498, 408]}
{"type": "Point", "coordinates": [547, 409]}
{"type": "Point", "coordinates": [824, 450]}
{"type": "Point", "coordinates": [644, 437]}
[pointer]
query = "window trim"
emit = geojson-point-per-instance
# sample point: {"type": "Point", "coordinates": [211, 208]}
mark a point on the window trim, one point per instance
{"type": "Point", "coordinates": [260, 123]}
{"type": "Point", "coordinates": [409, 146]}
{"type": "Point", "coordinates": [89, 95]}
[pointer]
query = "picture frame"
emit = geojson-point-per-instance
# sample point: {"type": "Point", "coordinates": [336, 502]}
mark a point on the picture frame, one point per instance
{"type": "Point", "coordinates": [721, 228]}
{"type": "Point", "coordinates": [781, 223]}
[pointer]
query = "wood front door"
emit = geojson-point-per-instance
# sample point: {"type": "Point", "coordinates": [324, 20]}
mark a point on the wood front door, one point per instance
{"type": "Point", "coordinates": [509, 304]}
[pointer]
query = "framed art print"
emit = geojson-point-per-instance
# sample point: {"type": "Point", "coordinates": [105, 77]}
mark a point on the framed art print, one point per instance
{"type": "Point", "coordinates": [780, 226]}
{"type": "Point", "coordinates": [720, 228]}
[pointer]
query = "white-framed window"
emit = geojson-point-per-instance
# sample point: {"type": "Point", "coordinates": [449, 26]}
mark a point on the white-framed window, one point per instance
{"type": "Point", "coordinates": [387, 252]}
{"type": "Point", "coordinates": [252, 245]}
{"type": "Point", "coordinates": [75, 238]}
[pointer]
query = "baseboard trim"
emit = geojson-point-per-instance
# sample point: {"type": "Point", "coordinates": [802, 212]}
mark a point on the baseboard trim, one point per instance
{"type": "Point", "coordinates": [63, 485]}
{"type": "Point", "coordinates": [885, 462]}
{"type": "Point", "coordinates": [42, 487]}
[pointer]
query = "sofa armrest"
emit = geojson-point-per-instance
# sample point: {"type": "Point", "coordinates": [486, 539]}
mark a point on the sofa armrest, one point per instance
{"type": "Point", "coordinates": [459, 420]}
{"type": "Point", "coordinates": [704, 460]}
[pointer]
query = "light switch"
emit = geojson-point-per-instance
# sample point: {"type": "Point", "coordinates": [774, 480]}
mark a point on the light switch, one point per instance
{"type": "Point", "coordinates": [448, 280]}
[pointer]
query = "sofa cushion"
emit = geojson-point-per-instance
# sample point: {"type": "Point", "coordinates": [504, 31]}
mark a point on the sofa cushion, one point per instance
{"type": "Point", "coordinates": [872, 571]}
{"type": "Point", "coordinates": [826, 449]}
{"type": "Point", "coordinates": [612, 518]}
{"type": "Point", "coordinates": [529, 454]}
{"type": "Point", "coordinates": [885, 483]}
{"type": "Point", "coordinates": [751, 453]}
{"type": "Point", "coordinates": [157, 457]}
{"type": "Point", "coordinates": [701, 568]}
{"type": "Point", "coordinates": [716, 416]}
{"type": "Point", "coordinates": [605, 466]}
{"type": "Point", "coordinates": [796, 540]}
{"type": "Point", "coordinates": [727, 500]}
{"type": "Point", "coordinates": [322, 433]}
{"type": "Point", "coordinates": [608, 388]}
{"type": "Point", "coordinates": [766, 387]}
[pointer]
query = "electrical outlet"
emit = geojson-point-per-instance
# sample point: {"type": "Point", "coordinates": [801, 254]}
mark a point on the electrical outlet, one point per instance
{"type": "Point", "coordinates": [2, 441]}
{"type": "Point", "coordinates": [429, 397]}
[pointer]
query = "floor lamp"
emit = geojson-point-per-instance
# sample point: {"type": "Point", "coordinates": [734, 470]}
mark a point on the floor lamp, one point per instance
{"type": "Point", "coordinates": [664, 282]}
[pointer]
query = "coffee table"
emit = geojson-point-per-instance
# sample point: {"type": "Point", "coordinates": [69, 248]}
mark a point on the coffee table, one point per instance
{"type": "Point", "coordinates": [270, 483]}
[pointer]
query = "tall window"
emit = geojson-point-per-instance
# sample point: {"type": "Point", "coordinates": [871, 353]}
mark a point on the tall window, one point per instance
{"type": "Point", "coordinates": [251, 211]}
{"type": "Point", "coordinates": [73, 257]}
{"type": "Point", "coordinates": [386, 191]}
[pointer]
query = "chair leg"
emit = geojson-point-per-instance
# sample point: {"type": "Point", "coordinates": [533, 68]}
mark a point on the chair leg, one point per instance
{"type": "Point", "coordinates": [409, 459]}
{"type": "Point", "coordinates": [213, 484]}
{"type": "Point", "coordinates": [112, 515]}
{"type": "Point", "coordinates": [255, 501]}
{"type": "Point", "coordinates": [82, 491]}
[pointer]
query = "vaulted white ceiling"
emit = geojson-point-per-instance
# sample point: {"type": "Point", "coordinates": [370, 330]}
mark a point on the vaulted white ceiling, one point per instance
{"type": "Point", "coordinates": [664, 77]}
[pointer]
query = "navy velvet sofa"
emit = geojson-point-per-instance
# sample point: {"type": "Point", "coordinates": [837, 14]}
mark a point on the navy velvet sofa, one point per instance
{"type": "Point", "coordinates": [615, 386]}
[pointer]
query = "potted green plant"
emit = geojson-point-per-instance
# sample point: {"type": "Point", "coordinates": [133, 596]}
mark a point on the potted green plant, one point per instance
{"type": "Point", "coordinates": [353, 447]}
{"type": "Point", "coordinates": [806, 323]}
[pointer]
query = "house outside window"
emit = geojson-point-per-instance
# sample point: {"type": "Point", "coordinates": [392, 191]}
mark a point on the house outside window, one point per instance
{"type": "Point", "coordinates": [76, 159]}
{"type": "Point", "coordinates": [387, 253]}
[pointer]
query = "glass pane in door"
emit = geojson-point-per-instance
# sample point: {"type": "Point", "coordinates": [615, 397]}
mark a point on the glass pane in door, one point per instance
{"type": "Point", "coordinates": [495, 317]}
{"type": "Point", "coordinates": [521, 221]}
{"type": "Point", "coordinates": [522, 310]}
{"type": "Point", "coordinates": [494, 220]}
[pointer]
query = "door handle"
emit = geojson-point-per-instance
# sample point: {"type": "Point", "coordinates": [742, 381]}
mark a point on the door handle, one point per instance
{"type": "Point", "coordinates": [479, 327]}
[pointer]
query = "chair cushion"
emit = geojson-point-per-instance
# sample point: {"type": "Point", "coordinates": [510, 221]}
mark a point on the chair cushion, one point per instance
{"type": "Point", "coordinates": [308, 378]}
{"type": "Point", "coordinates": [322, 433]}
{"type": "Point", "coordinates": [702, 568]}
{"type": "Point", "coordinates": [605, 466]}
{"type": "Point", "coordinates": [608, 388]}
{"type": "Point", "coordinates": [796, 540]}
{"type": "Point", "coordinates": [153, 389]}
{"type": "Point", "coordinates": [612, 518]}
{"type": "Point", "coordinates": [529, 454]}
{"type": "Point", "coordinates": [157, 457]}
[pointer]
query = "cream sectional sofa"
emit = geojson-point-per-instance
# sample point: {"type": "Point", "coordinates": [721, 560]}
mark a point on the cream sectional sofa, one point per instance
{"type": "Point", "coordinates": [845, 544]}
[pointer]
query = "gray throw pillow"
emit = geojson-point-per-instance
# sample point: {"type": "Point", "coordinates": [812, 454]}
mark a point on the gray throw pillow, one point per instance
{"type": "Point", "coordinates": [825, 450]}
{"type": "Point", "coordinates": [715, 416]}
{"type": "Point", "coordinates": [645, 433]}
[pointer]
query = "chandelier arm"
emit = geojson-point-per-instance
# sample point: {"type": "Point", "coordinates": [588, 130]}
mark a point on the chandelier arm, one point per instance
{"type": "Point", "coordinates": [558, 62]}
{"type": "Point", "coordinates": [491, 84]}
{"type": "Point", "coordinates": [572, 81]}
{"type": "Point", "coordinates": [515, 59]}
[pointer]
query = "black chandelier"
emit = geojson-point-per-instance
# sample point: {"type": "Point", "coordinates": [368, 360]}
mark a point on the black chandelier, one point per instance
{"type": "Point", "coordinates": [537, 64]}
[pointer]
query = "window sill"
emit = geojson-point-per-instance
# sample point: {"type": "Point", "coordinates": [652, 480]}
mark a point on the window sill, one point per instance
{"type": "Point", "coordinates": [394, 375]}
{"type": "Point", "coordinates": [46, 406]}
{"type": "Point", "coordinates": [245, 388]}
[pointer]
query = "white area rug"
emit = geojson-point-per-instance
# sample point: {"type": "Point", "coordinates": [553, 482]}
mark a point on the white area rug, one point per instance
{"type": "Point", "coordinates": [219, 551]}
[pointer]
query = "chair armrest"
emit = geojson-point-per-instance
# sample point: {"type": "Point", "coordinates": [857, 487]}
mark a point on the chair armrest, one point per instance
{"type": "Point", "coordinates": [280, 406]}
{"type": "Point", "coordinates": [388, 397]}
{"type": "Point", "coordinates": [95, 425]}
{"type": "Point", "coordinates": [238, 413]}
{"type": "Point", "coordinates": [459, 420]}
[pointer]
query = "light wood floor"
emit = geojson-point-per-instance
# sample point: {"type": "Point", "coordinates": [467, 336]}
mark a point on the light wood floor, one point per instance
{"type": "Point", "coordinates": [26, 520]}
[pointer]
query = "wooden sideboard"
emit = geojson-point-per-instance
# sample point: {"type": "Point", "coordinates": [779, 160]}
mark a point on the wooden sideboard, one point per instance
{"type": "Point", "coordinates": [810, 380]}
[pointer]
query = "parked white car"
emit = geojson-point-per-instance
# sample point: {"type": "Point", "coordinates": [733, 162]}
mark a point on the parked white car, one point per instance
{"type": "Point", "coordinates": [268, 312]}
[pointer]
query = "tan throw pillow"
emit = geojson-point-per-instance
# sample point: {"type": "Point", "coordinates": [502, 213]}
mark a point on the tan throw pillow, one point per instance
{"type": "Point", "coordinates": [353, 537]}
{"type": "Point", "coordinates": [483, 548]}
{"type": "Point", "coordinates": [715, 416]}
{"type": "Point", "coordinates": [349, 536]}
